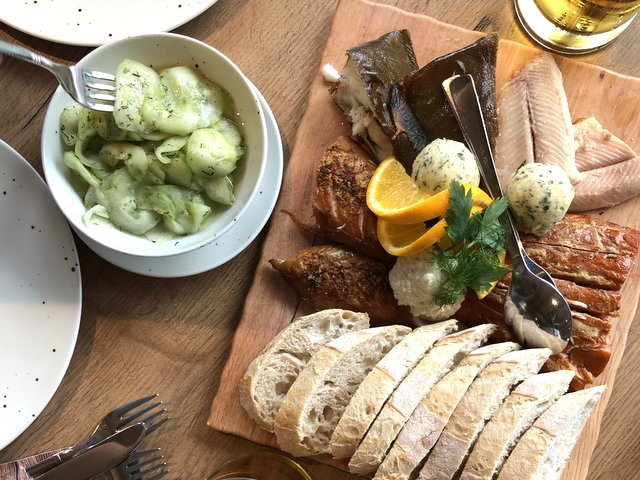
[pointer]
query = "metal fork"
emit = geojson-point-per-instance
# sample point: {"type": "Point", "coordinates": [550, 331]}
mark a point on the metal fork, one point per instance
{"type": "Point", "coordinates": [139, 410]}
{"type": "Point", "coordinates": [142, 465]}
{"type": "Point", "coordinates": [91, 89]}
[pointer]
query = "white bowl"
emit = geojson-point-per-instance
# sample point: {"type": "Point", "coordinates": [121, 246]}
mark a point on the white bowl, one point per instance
{"type": "Point", "coordinates": [159, 51]}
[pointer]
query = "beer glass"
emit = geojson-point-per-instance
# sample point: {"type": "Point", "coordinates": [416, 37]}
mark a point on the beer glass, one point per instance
{"type": "Point", "coordinates": [575, 26]}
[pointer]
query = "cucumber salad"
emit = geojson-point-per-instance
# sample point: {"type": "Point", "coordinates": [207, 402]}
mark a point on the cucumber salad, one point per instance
{"type": "Point", "coordinates": [165, 157]}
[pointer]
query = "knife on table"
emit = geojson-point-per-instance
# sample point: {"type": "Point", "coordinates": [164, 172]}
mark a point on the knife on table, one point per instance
{"type": "Point", "coordinates": [98, 458]}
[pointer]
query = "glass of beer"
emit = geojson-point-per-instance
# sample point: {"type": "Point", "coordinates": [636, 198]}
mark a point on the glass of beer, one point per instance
{"type": "Point", "coordinates": [261, 465]}
{"type": "Point", "coordinates": [575, 26]}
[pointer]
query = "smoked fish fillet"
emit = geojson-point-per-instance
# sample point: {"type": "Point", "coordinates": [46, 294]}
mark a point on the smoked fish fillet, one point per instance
{"type": "Point", "coordinates": [607, 186]}
{"type": "Point", "coordinates": [597, 147]}
{"type": "Point", "coordinates": [536, 120]}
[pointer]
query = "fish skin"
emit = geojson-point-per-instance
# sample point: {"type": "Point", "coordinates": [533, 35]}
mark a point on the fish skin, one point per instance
{"type": "Point", "coordinates": [362, 92]}
{"type": "Point", "coordinates": [423, 95]}
{"type": "Point", "coordinates": [514, 143]}
{"type": "Point", "coordinates": [339, 203]}
{"type": "Point", "coordinates": [333, 276]}
{"type": "Point", "coordinates": [607, 186]}
{"type": "Point", "coordinates": [597, 147]}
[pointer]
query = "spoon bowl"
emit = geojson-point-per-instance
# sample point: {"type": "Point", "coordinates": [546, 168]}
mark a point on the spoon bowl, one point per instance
{"type": "Point", "coordinates": [534, 309]}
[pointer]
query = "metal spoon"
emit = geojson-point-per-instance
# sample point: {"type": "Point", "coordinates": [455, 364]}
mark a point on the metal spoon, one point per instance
{"type": "Point", "coordinates": [534, 308]}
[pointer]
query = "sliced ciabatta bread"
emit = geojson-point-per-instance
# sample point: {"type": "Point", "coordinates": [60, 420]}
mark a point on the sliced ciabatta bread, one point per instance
{"type": "Point", "coordinates": [429, 418]}
{"type": "Point", "coordinates": [543, 450]}
{"type": "Point", "coordinates": [380, 383]}
{"type": "Point", "coordinates": [445, 354]}
{"type": "Point", "coordinates": [313, 405]}
{"type": "Point", "coordinates": [518, 412]}
{"type": "Point", "coordinates": [483, 398]}
{"type": "Point", "coordinates": [270, 375]}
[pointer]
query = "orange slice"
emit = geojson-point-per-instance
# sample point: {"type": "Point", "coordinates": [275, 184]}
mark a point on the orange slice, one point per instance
{"type": "Point", "coordinates": [404, 240]}
{"type": "Point", "coordinates": [392, 192]}
{"type": "Point", "coordinates": [395, 198]}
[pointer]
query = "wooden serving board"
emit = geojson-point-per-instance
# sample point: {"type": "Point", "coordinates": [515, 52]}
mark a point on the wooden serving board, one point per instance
{"type": "Point", "coordinates": [271, 304]}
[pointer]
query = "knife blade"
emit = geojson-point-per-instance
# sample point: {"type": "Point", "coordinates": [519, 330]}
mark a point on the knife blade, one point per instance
{"type": "Point", "coordinates": [99, 458]}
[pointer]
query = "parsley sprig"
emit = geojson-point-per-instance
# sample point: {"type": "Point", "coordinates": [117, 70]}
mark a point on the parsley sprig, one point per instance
{"type": "Point", "coordinates": [472, 261]}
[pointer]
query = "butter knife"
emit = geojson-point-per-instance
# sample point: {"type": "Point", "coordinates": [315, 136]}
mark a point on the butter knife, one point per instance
{"type": "Point", "coordinates": [98, 458]}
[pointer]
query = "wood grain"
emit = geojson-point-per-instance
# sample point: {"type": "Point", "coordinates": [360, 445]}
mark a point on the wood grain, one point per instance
{"type": "Point", "coordinates": [591, 91]}
{"type": "Point", "coordinates": [173, 336]}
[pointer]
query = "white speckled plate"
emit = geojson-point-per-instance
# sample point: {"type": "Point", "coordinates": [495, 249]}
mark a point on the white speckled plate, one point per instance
{"type": "Point", "coordinates": [92, 23]}
{"type": "Point", "coordinates": [40, 295]}
{"type": "Point", "coordinates": [234, 241]}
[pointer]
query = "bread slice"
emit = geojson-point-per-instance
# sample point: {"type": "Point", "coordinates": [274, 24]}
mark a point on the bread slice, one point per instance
{"type": "Point", "coordinates": [445, 354]}
{"type": "Point", "coordinates": [270, 375]}
{"type": "Point", "coordinates": [315, 402]}
{"type": "Point", "coordinates": [543, 450]}
{"type": "Point", "coordinates": [515, 416]}
{"type": "Point", "coordinates": [427, 421]}
{"type": "Point", "coordinates": [380, 383]}
{"type": "Point", "coordinates": [483, 398]}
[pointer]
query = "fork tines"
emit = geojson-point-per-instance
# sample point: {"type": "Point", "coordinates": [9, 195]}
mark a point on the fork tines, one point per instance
{"type": "Point", "coordinates": [144, 465]}
{"type": "Point", "coordinates": [100, 89]}
{"type": "Point", "coordinates": [135, 411]}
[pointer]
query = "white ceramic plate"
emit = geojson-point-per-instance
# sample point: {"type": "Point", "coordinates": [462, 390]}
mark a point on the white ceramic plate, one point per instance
{"type": "Point", "coordinates": [40, 295]}
{"type": "Point", "coordinates": [96, 22]}
{"type": "Point", "coordinates": [233, 241]}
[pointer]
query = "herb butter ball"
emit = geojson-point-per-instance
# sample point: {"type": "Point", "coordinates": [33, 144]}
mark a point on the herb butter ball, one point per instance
{"type": "Point", "coordinates": [442, 161]}
{"type": "Point", "coordinates": [539, 196]}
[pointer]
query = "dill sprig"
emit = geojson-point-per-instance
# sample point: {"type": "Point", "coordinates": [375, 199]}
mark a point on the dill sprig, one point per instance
{"type": "Point", "coordinates": [472, 261]}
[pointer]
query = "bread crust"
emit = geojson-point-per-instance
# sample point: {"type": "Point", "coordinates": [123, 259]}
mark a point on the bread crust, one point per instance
{"type": "Point", "coordinates": [515, 416]}
{"type": "Point", "coordinates": [543, 451]}
{"type": "Point", "coordinates": [477, 406]}
{"type": "Point", "coordinates": [446, 353]}
{"type": "Point", "coordinates": [380, 383]}
{"type": "Point", "coordinates": [312, 407]}
{"type": "Point", "coordinates": [427, 421]}
{"type": "Point", "coordinates": [271, 373]}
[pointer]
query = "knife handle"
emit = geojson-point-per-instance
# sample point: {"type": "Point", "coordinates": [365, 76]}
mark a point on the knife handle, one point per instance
{"type": "Point", "coordinates": [17, 470]}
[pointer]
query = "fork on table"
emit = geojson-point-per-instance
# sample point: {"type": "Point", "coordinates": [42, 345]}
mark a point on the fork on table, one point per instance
{"type": "Point", "coordinates": [144, 410]}
{"type": "Point", "coordinates": [92, 89]}
{"type": "Point", "coordinates": [140, 465]}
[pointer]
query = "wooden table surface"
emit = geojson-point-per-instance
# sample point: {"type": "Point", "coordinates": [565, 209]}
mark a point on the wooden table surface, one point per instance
{"type": "Point", "coordinates": [172, 336]}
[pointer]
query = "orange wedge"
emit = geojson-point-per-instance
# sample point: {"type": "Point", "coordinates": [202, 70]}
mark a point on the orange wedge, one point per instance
{"type": "Point", "coordinates": [404, 240]}
{"type": "Point", "coordinates": [395, 198]}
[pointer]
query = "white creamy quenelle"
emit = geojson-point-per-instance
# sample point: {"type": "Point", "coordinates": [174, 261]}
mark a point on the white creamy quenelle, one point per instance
{"type": "Point", "coordinates": [539, 196]}
{"type": "Point", "coordinates": [415, 281]}
{"type": "Point", "coordinates": [442, 161]}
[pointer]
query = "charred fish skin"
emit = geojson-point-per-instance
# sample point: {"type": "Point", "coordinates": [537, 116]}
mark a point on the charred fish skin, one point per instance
{"type": "Point", "coordinates": [362, 92]}
{"type": "Point", "coordinates": [409, 138]}
{"type": "Point", "coordinates": [423, 92]}
{"type": "Point", "coordinates": [334, 276]}
{"type": "Point", "coordinates": [339, 202]}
